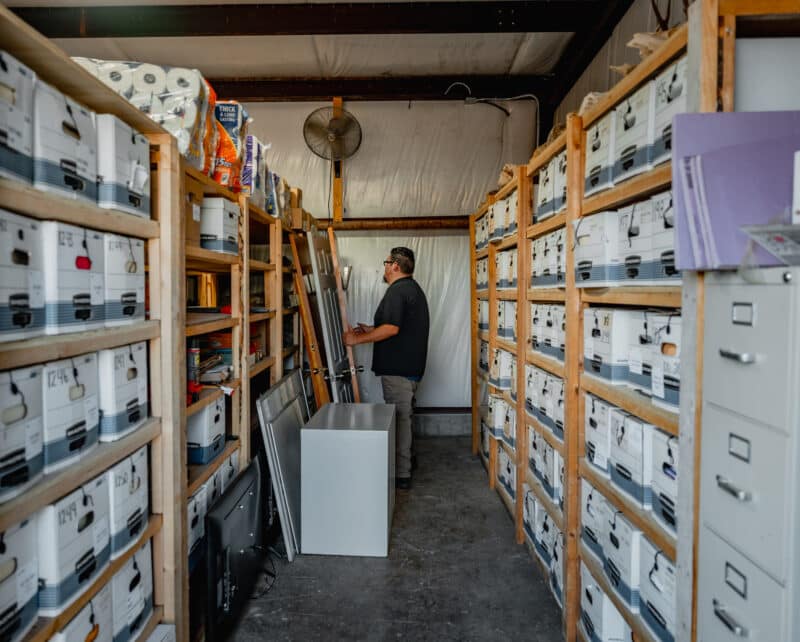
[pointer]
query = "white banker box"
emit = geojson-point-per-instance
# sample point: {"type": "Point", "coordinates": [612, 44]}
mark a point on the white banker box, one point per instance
{"type": "Point", "coordinates": [219, 225]}
{"type": "Point", "coordinates": [71, 413]}
{"type": "Point", "coordinates": [621, 546]}
{"type": "Point", "coordinates": [670, 99]}
{"type": "Point", "coordinates": [664, 482]}
{"type": "Point", "coordinates": [22, 285]}
{"type": "Point", "coordinates": [529, 509]}
{"type": "Point", "coordinates": [506, 473]}
{"type": "Point", "coordinates": [597, 434]}
{"type": "Point", "coordinates": [213, 486]}
{"type": "Point", "coordinates": [636, 242]}
{"type": "Point", "coordinates": [93, 623]}
{"type": "Point", "coordinates": [124, 280]}
{"type": "Point", "coordinates": [599, 154]}
{"type": "Point", "coordinates": [123, 390]}
{"type": "Point", "coordinates": [657, 585]}
{"type": "Point", "coordinates": [663, 245]}
{"type": "Point", "coordinates": [600, 619]}
{"type": "Point", "coordinates": [544, 536]}
{"type": "Point", "coordinates": [74, 278]}
{"type": "Point", "coordinates": [129, 500]}
{"type": "Point", "coordinates": [132, 595]}
{"type": "Point", "coordinates": [123, 167]}
{"type": "Point", "coordinates": [546, 192]}
{"type": "Point", "coordinates": [21, 422]}
{"type": "Point", "coordinates": [196, 507]}
{"type": "Point", "coordinates": [64, 145]}
{"type": "Point", "coordinates": [163, 633]}
{"type": "Point", "coordinates": [598, 253]}
{"type": "Point", "coordinates": [633, 133]}
{"type": "Point", "coordinates": [594, 514]}
{"type": "Point", "coordinates": [605, 343]}
{"type": "Point", "coordinates": [19, 581]}
{"type": "Point", "coordinates": [631, 456]}
{"type": "Point", "coordinates": [641, 336]}
{"type": "Point", "coordinates": [16, 119]}
{"type": "Point", "coordinates": [347, 477]}
{"type": "Point", "coordinates": [74, 545]}
{"type": "Point", "coordinates": [557, 567]}
{"type": "Point", "coordinates": [205, 432]}
{"type": "Point", "coordinates": [230, 469]}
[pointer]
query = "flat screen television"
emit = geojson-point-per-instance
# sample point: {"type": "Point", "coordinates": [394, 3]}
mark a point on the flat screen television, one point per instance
{"type": "Point", "coordinates": [235, 552]}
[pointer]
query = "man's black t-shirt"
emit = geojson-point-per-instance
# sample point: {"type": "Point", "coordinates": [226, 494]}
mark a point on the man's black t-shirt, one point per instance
{"type": "Point", "coordinates": [404, 354]}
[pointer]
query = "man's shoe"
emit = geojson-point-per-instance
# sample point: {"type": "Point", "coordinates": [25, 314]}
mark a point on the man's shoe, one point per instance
{"type": "Point", "coordinates": [402, 483]}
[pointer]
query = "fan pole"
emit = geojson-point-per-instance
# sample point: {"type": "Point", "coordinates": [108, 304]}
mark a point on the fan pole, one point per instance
{"type": "Point", "coordinates": [336, 168]}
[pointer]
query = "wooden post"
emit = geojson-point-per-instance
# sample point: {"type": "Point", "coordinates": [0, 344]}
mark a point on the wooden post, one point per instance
{"type": "Point", "coordinates": [573, 436]}
{"type": "Point", "coordinates": [494, 444]}
{"type": "Point", "coordinates": [276, 290]}
{"type": "Point", "coordinates": [474, 342]}
{"type": "Point", "coordinates": [337, 167]}
{"type": "Point", "coordinates": [521, 451]}
{"type": "Point", "coordinates": [168, 384]}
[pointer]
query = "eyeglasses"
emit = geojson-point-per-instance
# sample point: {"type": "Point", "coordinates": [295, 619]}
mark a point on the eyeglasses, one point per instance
{"type": "Point", "coordinates": [389, 262]}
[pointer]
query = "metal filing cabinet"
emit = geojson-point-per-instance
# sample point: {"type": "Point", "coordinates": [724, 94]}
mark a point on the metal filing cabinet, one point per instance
{"type": "Point", "coordinates": [748, 569]}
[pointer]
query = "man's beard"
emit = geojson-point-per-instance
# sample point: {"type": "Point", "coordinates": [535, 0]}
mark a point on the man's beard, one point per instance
{"type": "Point", "coordinates": [385, 280]}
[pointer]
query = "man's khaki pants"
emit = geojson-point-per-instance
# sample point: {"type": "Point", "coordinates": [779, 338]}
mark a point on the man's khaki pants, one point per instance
{"type": "Point", "coordinates": [400, 391]}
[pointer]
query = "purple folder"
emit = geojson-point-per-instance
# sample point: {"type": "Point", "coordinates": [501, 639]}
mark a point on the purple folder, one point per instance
{"type": "Point", "coordinates": [730, 170]}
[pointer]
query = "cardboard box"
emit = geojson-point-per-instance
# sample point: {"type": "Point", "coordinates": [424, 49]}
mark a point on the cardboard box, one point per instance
{"type": "Point", "coordinates": [529, 509]}
{"type": "Point", "coordinates": [598, 253]}
{"type": "Point", "coordinates": [74, 545]}
{"type": "Point", "coordinates": [71, 413]}
{"type": "Point", "coordinates": [506, 473]}
{"type": "Point", "coordinates": [557, 567]}
{"type": "Point", "coordinates": [641, 337]}
{"type": "Point", "coordinates": [129, 500]}
{"type": "Point", "coordinates": [132, 595]}
{"type": "Point", "coordinates": [123, 167]}
{"type": "Point", "coordinates": [600, 155]}
{"type": "Point", "coordinates": [196, 507]}
{"type": "Point", "coordinates": [510, 427]}
{"type": "Point", "coordinates": [670, 89]}
{"type": "Point", "coordinates": [666, 380]}
{"type": "Point", "coordinates": [219, 225]}
{"type": "Point", "coordinates": [657, 592]}
{"type": "Point", "coordinates": [22, 286]}
{"type": "Point", "coordinates": [74, 278]}
{"type": "Point", "coordinates": [636, 242]}
{"type": "Point", "coordinates": [560, 182]}
{"type": "Point", "coordinates": [663, 246]}
{"type": "Point", "coordinates": [600, 619]}
{"type": "Point", "coordinates": [94, 621]}
{"type": "Point", "coordinates": [597, 433]}
{"type": "Point", "coordinates": [621, 545]}
{"type": "Point", "coordinates": [123, 378]}
{"type": "Point", "coordinates": [631, 456]}
{"type": "Point", "coordinates": [605, 343]}
{"type": "Point", "coordinates": [205, 432]}
{"type": "Point", "coordinates": [163, 633]}
{"type": "Point", "coordinates": [16, 119]}
{"type": "Point", "coordinates": [665, 479]}
{"type": "Point", "coordinates": [544, 535]}
{"type": "Point", "coordinates": [193, 193]}
{"type": "Point", "coordinates": [124, 280]}
{"type": "Point", "coordinates": [21, 422]}
{"type": "Point", "coordinates": [633, 133]}
{"type": "Point", "coordinates": [545, 192]}
{"type": "Point", "coordinates": [594, 514]}
{"type": "Point", "coordinates": [64, 145]}
{"type": "Point", "coordinates": [18, 590]}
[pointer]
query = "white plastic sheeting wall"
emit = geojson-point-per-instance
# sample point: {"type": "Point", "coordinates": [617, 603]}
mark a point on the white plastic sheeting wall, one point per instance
{"type": "Point", "coordinates": [416, 159]}
{"type": "Point", "coordinates": [598, 77]}
{"type": "Point", "coordinates": [443, 273]}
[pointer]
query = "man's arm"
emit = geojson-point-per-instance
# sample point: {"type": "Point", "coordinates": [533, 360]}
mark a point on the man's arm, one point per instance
{"type": "Point", "coordinates": [381, 333]}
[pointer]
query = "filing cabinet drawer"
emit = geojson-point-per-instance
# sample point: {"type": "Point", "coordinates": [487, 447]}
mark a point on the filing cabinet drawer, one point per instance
{"type": "Point", "coordinates": [744, 479]}
{"type": "Point", "coordinates": [735, 600]}
{"type": "Point", "coordinates": [748, 349]}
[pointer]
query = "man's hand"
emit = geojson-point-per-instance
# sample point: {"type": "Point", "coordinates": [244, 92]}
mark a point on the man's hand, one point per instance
{"type": "Point", "coordinates": [350, 338]}
{"type": "Point", "coordinates": [362, 328]}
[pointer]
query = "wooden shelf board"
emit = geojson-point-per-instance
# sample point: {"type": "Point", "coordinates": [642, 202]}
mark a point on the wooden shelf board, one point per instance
{"type": "Point", "coordinates": [483, 335]}
{"type": "Point", "coordinates": [28, 201]}
{"type": "Point", "coordinates": [532, 550]}
{"type": "Point", "coordinates": [645, 70]}
{"type": "Point", "coordinates": [507, 242]}
{"type": "Point", "coordinates": [506, 295]}
{"type": "Point", "coordinates": [210, 186]}
{"type": "Point", "coordinates": [16, 354]}
{"type": "Point", "coordinates": [287, 352]}
{"type": "Point", "coordinates": [546, 226]}
{"type": "Point", "coordinates": [291, 309]}
{"type": "Point", "coordinates": [557, 295]}
{"type": "Point", "coordinates": [259, 214]}
{"type": "Point", "coordinates": [202, 260]}
{"type": "Point", "coordinates": [637, 625]}
{"type": "Point", "coordinates": [638, 516]}
{"type": "Point", "coordinates": [152, 623]}
{"type": "Point", "coordinates": [509, 450]}
{"type": "Point", "coordinates": [636, 188]}
{"type": "Point", "coordinates": [54, 486]}
{"type": "Point", "coordinates": [259, 367]}
{"type": "Point", "coordinates": [200, 474]}
{"type": "Point", "coordinates": [507, 501]}
{"type": "Point", "coordinates": [548, 436]}
{"type": "Point", "coordinates": [261, 266]}
{"type": "Point", "coordinates": [633, 402]}
{"type": "Point", "coordinates": [543, 153]}
{"type": "Point", "coordinates": [506, 189]}
{"type": "Point", "coordinates": [552, 508]}
{"type": "Point", "coordinates": [482, 254]}
{"type": "Point", "coordinates": [482, 295]}
{"type": "Point", "coordinates": [53, 66]}
{"type": "Point", "coordinates": [506, 345]}
{"type": "Point", "coordinates": [653, 296]}
{"type": "Point", "coordinates": [553, 366]}
{"type": "Point", "coordinates": [288, 270]}
{"type": "Point", "coordinates": [207, 397]}
{"type": "Point", "coordinates": [46, 628]}
{"type": "Point", "coordinates": [205, 322]}
{"type": "Point", "coordinates": [256, 317]}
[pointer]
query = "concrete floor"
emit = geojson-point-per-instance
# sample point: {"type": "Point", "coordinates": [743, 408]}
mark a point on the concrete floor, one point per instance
{"type": "Point", "coordinates": [453, 571]}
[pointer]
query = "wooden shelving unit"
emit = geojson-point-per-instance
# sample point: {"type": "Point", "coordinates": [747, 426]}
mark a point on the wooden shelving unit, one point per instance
{"type": "Point", "coordinates": [574, 299]}
{"type": "Point", "coordinates": [199, 475]}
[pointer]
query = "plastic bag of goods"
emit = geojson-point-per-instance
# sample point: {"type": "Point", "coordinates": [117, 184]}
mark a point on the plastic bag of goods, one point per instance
{"type": "Point", "coordinates": [254, 169]}
{"type": "Point", "coordinates": [177, 98]}
{"type": "Point", "coordinates": [232, 121]}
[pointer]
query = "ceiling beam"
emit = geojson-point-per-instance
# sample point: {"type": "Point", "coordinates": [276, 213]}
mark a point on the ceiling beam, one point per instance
{"type": "Point", "coordinates": [398, 223]}
{"type": "Point", "coordinates": [493, 16]}
{"type": "Point", "coordinates": [377, 88]}
{"type": "Point", "coordinates": [582, 49]}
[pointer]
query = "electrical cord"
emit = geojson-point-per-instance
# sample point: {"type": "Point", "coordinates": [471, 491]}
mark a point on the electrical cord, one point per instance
{"type": "Point", "coordinates": [270, 573]}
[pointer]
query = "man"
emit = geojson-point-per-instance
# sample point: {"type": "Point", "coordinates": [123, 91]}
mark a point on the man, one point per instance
{"type": "Point", "coordinates": [400, 335]}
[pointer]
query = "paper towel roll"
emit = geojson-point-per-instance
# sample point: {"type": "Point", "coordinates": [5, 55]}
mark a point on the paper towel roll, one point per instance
{"type": "Point", "coordinates": [157, 112]}
{"type": "Point", "coordinates": [184, 138]}
{"type": "Point", "coordinates": [116, 75]}
{"type": "Point", "coordinates": [173, 124]}
{"type": "Point", "coordinates": [173, 104]}
{"type": "Point", "coordinates": [88, 64]}
{"type": "Point", "coordinates": [189, 114]}
{"type": "Point", "coordinates": [184, 82]}
{"type": "Point", "coordinates": [149, 79]}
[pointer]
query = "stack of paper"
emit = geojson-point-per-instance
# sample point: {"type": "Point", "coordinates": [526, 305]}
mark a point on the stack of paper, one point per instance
{"type": "Point", "coordinates": [731, 170]}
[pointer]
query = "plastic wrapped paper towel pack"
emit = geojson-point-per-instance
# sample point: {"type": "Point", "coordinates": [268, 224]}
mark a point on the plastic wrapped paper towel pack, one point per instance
{"type": "Point", "coordinates": [254, 170]}
{"type": "Point", "coordinates": [232, 122]}
{"type": "Point", "coordinates": [177, 98]}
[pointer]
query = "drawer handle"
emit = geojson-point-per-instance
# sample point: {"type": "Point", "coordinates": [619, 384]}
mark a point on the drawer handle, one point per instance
{"type": "Point", "coordinates": [741, 357]}
{"type": "Point", "coordinates": [729, 487]}
{"type": "Point", "coordinates": [732, 625]}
